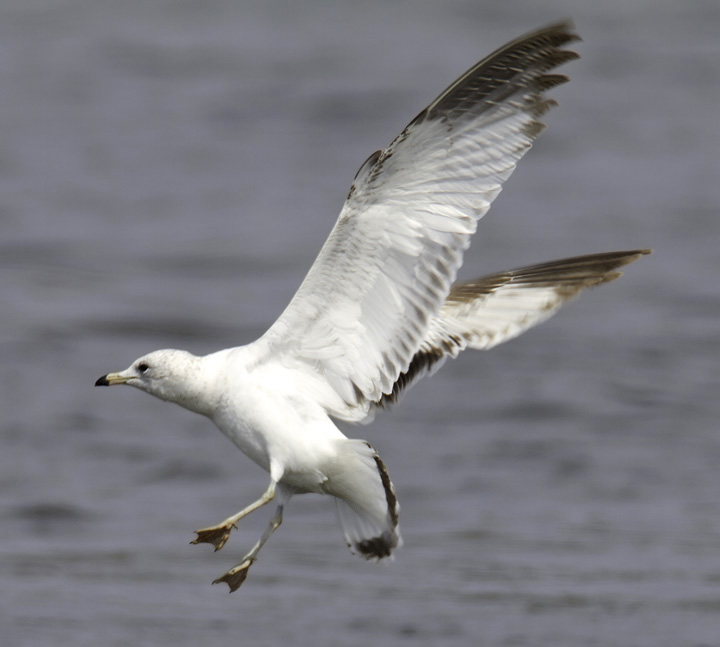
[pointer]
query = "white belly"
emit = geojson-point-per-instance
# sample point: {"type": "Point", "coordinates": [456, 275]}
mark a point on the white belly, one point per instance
{"type": "Point", "coordinates": [289, 437]}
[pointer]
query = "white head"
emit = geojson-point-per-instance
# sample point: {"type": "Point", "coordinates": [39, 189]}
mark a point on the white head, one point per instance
{"type": "Point", "coordinates": [172, 375]}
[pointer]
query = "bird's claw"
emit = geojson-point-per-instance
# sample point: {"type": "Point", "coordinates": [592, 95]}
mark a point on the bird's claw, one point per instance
{"type": "Point", "coordinates": [216, 535]}
{"type": "Point", "coordinates": [236, 575]}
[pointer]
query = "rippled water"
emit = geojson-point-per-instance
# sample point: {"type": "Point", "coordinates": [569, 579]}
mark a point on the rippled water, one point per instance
{"type": "Point", "coordinates": [168, 172]}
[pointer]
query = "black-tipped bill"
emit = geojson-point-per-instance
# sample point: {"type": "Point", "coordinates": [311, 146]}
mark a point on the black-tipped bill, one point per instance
{"type": "Point", "coordinates": [112, 378]}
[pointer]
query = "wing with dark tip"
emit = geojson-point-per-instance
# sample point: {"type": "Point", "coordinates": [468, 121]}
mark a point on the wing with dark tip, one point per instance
{"type": "Point", "coordinates": [488, 311]}
{"type": "Point", "coordinates": [364, 309]}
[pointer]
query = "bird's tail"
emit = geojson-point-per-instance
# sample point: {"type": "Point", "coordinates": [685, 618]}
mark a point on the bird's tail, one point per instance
{"type": "Point", "coordinates": [366, 502]}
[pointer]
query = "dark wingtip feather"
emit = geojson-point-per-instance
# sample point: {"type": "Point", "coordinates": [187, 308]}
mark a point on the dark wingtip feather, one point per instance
{"type": "Point", "coordinates": [576, 272]}
{"type": "Point", "coordinates": [522, 62]}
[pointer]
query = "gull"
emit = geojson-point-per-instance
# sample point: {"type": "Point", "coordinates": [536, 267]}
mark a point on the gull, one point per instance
{"type": "Point", "coordinates": [379, 308]}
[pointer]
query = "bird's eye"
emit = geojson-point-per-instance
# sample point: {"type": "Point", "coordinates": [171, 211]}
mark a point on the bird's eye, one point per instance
{"type": "Point", "coordinates": [143, 368]}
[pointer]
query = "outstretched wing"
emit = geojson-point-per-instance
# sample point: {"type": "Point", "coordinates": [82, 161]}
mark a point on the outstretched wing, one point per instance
{"type": "Point", "coordinates": [364, 308]}
{"type": "Point", "coordinates": [488, 311]}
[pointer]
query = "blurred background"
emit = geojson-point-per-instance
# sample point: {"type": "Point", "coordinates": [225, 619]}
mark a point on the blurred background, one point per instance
{"type": "Point", "coordinates": [168, 172]}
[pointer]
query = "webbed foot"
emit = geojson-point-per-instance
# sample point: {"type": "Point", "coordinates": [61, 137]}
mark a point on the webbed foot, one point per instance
{"type": "Point", "coordinates": [236, 575]}
{"type": "Point", "coordinates": [215, 535]}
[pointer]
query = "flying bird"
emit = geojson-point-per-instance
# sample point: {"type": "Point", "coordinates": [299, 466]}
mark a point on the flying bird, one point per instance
{"type": "Point", "coordinates": [378, 308]}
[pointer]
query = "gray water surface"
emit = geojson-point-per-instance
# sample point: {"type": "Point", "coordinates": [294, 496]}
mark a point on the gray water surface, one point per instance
{"type": "Point", "coordinates": [168, 172]}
